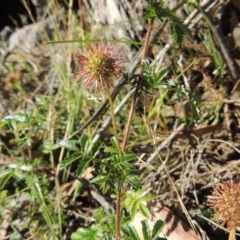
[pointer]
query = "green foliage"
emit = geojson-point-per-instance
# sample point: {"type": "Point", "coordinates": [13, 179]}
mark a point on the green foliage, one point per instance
{"type": "Point", "coordinates": [154, 78]}
{"type": "Point", "coordinates": [103, 228]}
{"type": "Point", "coordinates": [4, 177]}
{"type": "Point", "coordinates": [90, 233]}
{"type": "Point", "coordinates": [87, 153]}
{"type": "Point", "coordinates": [132, 233]}
{"type": "Point", "coordinates": [109, 166]}
{"type": "Point", "coordinates": [157, 10]}
{"type": "Point", "coordinates": [115, 165]}
{"type": "Point", "coordinates": [146, 230]}
{"type": "Point", "coordinates": [22, 121]}
{"type": "Point", "coordinates": [135, 200]}
{"type": "Point", "coordinates": [180, 92]}
{"type": "Point", "coordinates": [28, 181]}
{"type": "Point", "coordinates": [157, 228]}
{"type": "Point", "coordinates": [36, 191]}
{"type": "Point", "coordinates": [21, 124]}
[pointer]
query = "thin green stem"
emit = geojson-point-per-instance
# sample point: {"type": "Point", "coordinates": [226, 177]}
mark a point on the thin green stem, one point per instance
{"type": "Point", "coordinates": [113, 119]}
{"type": "Point", "coordinates": [118, 210]}
{"type": "Point", "coordinates": [118, 201]}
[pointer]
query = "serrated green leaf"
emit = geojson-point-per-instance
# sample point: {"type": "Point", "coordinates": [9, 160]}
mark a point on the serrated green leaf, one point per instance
{"type": "Point", "coordinates": [100, 179]}
{"type": "Point", "coordinates": [114, 143]}
{"type": "Point", "coordinates": [83, 165]}
{"type": "Point", "coordinates": [133, 180]}
{"type": "Point", "coordinates": [125, 230]}
{"type": "Point", "coordinates": [70, 159]}
{"type": "Point", "coordinates": [90, 233]}
{"type": "Point", "coordinates": [145, 211]}
{"type": "Point", "coordinates": [69, 145]}
{"type": "Point", "coordinates": [129, 156]}
{"type": "Point", "coordinates": [134, 209]}
{"type": "Point", "coordinates": [105, 186]}
{"type": "Point", "coordinates": [182, 91]}
{"type": "Point", "coordinates": [95, 148]}
{"type": "Point", "coordinates": [22, 167]}
{"type": "Point", "coordinates": [146, 230]}
{"type": "Point", "coordinates": [126, 220]}
{"type": "Point", "coordinates": [110, 150]}
{"type": "Point", "coordinates": [99, 215]}
{"type": "Point", "coordinates": [84, 143]}
{"type": "Point", "coordinates": [133, 233]}
{"type": "Point", "coordinates": [178, 34]}
{"type": "Point", "coordinates": [107, 157]}
{"type": "Point", "coordinates": [149, 12]}
{"type": "Point", "coordinates": [157, 228]}
{"type": "Point", "coordinates": [179, 30]}
{"type": "Point", "coordinates": [147, 197]}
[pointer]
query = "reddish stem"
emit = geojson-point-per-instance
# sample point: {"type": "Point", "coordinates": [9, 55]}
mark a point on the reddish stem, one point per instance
{"type": "Point", "coordinates": [144, 54]}
{"type": "Point", "coordinates": [118, 204]}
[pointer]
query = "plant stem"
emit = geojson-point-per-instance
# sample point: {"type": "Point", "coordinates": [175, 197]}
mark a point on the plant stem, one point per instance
{"type": "Point", "coordinates": [118, 204]}
{"type": "Point", "coordinates": [118, 210]}
{"type": "Point", "coordinates": [113, 119]}
{"type": "Point", "coordinates": [118, 201]}
{"type": "Point", "coordinates": [136, 92]}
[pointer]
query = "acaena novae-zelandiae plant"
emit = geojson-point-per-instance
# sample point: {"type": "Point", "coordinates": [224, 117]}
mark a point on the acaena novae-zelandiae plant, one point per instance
{"type": "Point", "coordinates": [99, 64]}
